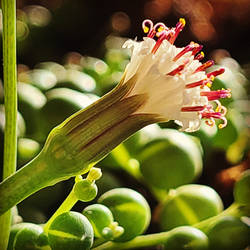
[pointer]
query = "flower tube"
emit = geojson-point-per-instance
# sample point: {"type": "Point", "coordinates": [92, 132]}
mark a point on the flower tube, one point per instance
{"type": "Point", "coordinates": [160, 83]}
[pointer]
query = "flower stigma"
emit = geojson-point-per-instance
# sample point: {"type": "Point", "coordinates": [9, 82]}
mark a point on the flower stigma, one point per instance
{"type": "Point", "coordinates": [174, 79]}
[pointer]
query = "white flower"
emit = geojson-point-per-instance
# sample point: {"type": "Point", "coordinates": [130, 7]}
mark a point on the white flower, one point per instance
{"type": "Point", "coordinates": [173, 78]}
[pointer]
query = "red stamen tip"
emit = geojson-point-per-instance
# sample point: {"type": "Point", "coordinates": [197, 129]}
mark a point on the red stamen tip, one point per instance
{"type": "Point", "coordinates": [216, 73]}
{"type": "Point", "coordinates": [204, 66]}
{"type": "Point", "coordinates": [192, 108]}
{"type": "Point", "coordinates": [177, 70]}
{"type": "Point", "coordinates": [217, 94]}
{"type": "Point", "coordinates": [200, 56]}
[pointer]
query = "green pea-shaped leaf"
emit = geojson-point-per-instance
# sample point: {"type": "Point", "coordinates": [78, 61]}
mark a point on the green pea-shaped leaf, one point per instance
{"type": "Point", "coordinates": [27, 149]}
{"type": "Point", "coordinates": [27, 236]}
{"type": "Point", "coordinates": [242, 189]}
{"type": "Point", "coordinates": [72, 231]}
{"type": "Point", "coordinates": [77, 80]}
{"type": "Point", "coordinates": [30, 101]}
{"type": "Point", "coordinates": [61, 103]}
{"type": "Point", "coordinates": [229, 233]}
{"type": "Point", "coordinates": [170, 159]}
{"type": "Point", "coordinates": [187, 238]}
{"type": "Point", "coordinates": [129, 209]}
{"type": "Point", "coordinates": [228, 135]}
{"type": "Point", "coordinates": [100, 217]}
{"type": "Point", "coordinates": [188, 205]}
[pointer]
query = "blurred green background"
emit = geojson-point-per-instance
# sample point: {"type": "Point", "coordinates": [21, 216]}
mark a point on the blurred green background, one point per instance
{"type": "Point", "coordinates": [69, 53]}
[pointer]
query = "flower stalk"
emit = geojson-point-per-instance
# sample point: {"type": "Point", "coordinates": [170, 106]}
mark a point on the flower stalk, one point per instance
{"type": "Point", "coordinates": [10, 102]}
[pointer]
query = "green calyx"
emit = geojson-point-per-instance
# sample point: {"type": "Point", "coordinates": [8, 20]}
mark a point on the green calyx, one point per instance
{"type": "Point", "coordinates": [76, 144]}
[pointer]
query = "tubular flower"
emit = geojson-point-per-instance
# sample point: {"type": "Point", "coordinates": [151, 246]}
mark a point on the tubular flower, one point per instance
{"type": "Point", "coordinates": [174, 79]}
{"type": "Point", "coordinates": [161, 83]}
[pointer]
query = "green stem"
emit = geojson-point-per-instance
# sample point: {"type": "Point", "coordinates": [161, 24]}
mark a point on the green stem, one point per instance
{"type": "Point", "coordinates": [66, 206]}
{"type": "Point", "coordinates": [99, 242]}
{"type": "Point", "coordinates": [140, 241]}
{"type": "Point", "coordinates": [32, 177]}
{"type": "Point", "coordinates": [234, 210]}
{"type": "Point", "coordinates": [10, 92]}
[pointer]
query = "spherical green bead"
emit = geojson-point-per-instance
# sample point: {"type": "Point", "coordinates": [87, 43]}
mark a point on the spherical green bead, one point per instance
{"type": "Point", "coordinates": [188, 205]}
{"type": "Point", "coordinates": [170, 160]}
{"type": "Point", "coordinates": [229, 233]}
{"type": "Point", "coordinates": [13, 232]}
{"type": "Point", "coordinates": [242, 189]}
{"type": "Point", "coordinates": [187, 238]}
{"type": "Point", "coordinates": [27, 236]}
{"type": "Point", "coordinates": [85, 190]}
{"type": "Point", "coordinates": [72, 231]}
{"type": "Point", "coordinates": [129, 209]}
{"type": "Point", "coordinates": [99, 216]}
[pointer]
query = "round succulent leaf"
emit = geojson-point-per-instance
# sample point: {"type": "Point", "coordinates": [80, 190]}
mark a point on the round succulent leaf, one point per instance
{"type": "Point", "coordinates": [70, 230]}
{"type": "Point", "coordinates": [129, 209]}
{"type": "Point", "coordinates": [188, 205]}
{"type": "Point", "coordinates": [187, 238]}
{"type": "Point", "coordinates": [99, 216]}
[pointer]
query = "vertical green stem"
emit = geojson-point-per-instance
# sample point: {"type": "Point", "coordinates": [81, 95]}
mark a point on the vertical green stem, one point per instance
{"type": "Point", "coordinates": [10, 93]}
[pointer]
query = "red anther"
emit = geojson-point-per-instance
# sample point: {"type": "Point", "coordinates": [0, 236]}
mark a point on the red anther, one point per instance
{"type": "Point", "coordinates": [192, 108]}
{"type": "Point", "coordinates": [200, 56]}
{"type": "Point", "coordinates": [205, 66]}
{"type": "Point", "coordinates": [178, 28]}
{"type": "Point", "coordinates": [198, 83]}
{"type": "Point", "coordinates": [216, 73]}
{"type": "Point", "coordinates": [216, 94]}
{"type": "Point", "coordinates": [177, 70]}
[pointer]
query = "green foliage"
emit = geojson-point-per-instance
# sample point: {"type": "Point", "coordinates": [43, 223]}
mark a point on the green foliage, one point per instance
{"type": "Point", "coordinates": [242, 189]}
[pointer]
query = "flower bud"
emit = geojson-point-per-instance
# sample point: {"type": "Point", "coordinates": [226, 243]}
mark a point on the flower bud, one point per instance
{"type": "Point", "coordinates": [94, 174]}
{"type": "Point", "coordinates": [85, 190]}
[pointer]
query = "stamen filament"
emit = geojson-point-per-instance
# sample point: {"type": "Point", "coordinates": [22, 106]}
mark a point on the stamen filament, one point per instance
{"type": "Point", "coordinates": [217, 94]}
{"type": "Point", "coordinates": [179, 27]}
{"type": "Point", "coordinates": [204, 66]}
{"type": "Point", "coordinates": [216, 73]}
{"type": "Point", "coordinates": [200, 56]}
{"type": "Point", "coordinates": [192, 108]}
{"type": "Point", "coordinates": [199, 83]}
